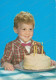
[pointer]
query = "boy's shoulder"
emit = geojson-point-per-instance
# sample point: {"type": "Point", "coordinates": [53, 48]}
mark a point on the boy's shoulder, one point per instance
{"type": "Point", "coordinates": [11, 42]}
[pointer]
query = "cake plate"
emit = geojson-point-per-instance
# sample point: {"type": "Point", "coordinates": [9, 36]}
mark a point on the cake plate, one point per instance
{"type": "Point", "coordinates": [26, 70]}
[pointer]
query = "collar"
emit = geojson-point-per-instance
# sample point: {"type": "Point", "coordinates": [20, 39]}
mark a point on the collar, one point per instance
{"type": "Point", "coordinates": [19, 41]}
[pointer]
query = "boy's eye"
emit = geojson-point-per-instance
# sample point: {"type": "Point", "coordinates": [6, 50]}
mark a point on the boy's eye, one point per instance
{"type": "Point", "coordinates": [31, 29]}
{"type": "Point", "coordinates": [26, 29]}
{"type": "Point", "coordinates": [23, 29]}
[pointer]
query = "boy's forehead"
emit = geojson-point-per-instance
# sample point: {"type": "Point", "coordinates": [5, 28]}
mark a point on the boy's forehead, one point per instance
{"type": "Point", "coordinates": [23, 25]}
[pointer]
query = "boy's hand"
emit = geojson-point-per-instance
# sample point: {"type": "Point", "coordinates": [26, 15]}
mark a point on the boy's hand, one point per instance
{"type": "Point", "coordinates": [17, 66]}
{"type": "Point", "coordinates": [8, 66]}
{"type": "Point", "coordinates": [53, 62]}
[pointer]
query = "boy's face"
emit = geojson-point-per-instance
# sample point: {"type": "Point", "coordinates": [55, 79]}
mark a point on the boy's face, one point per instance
{"type": "Point", "coordinates": [25, 32]}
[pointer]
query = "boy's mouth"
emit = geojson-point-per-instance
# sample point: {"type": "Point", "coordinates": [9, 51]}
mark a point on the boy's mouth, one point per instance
{"type": "Point", "coordinates": [27, 36]}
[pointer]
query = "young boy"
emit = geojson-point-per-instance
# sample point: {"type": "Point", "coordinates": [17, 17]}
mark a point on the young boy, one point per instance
{"type": "Point", "coordinates": [15, 50]}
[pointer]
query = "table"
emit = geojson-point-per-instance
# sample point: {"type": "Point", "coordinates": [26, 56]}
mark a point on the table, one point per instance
{"type": "Point", "coordinates": [22, 75]}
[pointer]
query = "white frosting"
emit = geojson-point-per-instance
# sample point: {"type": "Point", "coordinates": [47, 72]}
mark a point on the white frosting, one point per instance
{"type": "Point", "coordinates": [37, 62]}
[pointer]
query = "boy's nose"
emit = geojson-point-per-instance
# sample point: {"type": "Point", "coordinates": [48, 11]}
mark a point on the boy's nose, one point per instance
{"type": "Point", "coordinates": [27, 32]}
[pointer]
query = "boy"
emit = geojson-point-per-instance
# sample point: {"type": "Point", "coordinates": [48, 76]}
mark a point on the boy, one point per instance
{"type": "Point", "coordinates": [15, 50]}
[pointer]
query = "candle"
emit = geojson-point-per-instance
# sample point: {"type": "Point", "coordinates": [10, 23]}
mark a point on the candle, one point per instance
{"type": "Point", "coordinates": [34, 50]}
{"type": "Point", "coordinates": [42, 48]}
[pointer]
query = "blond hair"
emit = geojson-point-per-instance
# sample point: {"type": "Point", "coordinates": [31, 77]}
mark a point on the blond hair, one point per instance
{"type": "Point", "coordinates": [23, 17]}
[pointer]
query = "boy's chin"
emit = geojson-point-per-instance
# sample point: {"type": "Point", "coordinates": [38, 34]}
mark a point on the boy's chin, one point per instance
{"type": "Point", "coordinates": [26, 40]}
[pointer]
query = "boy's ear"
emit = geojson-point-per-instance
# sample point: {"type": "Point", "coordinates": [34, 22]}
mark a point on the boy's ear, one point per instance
{"type": "Point", "coordinates": [15, 30]}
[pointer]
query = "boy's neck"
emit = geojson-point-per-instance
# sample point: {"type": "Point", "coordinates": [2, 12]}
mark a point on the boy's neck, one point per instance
{"type": "Point", "coordinates": [24, 42]}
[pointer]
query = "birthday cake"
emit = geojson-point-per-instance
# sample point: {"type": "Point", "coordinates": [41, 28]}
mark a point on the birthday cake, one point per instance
{"type": "Point", "coordinates": [37, 62]}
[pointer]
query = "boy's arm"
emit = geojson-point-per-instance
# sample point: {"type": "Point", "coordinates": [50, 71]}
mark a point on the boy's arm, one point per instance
{"type": "Point", "coordinates": [7, 57]}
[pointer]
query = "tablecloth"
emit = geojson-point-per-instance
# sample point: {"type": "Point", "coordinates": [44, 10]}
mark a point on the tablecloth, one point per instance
{"type": "Point", "coordinates": [23, 75]}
